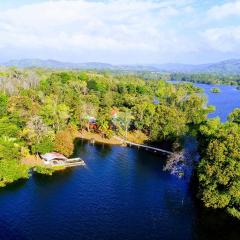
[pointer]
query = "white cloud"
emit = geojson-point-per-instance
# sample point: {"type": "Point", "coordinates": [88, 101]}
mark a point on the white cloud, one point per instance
{"type": "Point", "coordinates": [225, 39]}
{"type": "Point", "coordinates": [120, 31]}
{"type": "Point", "coordinates": [82, 26]}
{"type": "Point", "coordinates": [225, 10]}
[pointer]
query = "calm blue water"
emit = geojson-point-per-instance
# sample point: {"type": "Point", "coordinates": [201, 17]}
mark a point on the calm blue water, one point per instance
{"type": "Point", "coordinates": [122, 194]}
{"type": "Point", "coordinates": [225, 102]}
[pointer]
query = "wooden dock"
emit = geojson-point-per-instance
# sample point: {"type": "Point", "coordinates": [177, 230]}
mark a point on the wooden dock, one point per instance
{"type": "Point", "coordinates": [57, 159]}
{"type": "Point", "coordinates": [154, 149]}
{"type": "Point", "coordinates": [72, 162]}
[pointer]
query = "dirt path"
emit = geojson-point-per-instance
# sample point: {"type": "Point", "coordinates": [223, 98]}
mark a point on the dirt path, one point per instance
{"type": "Point", "coordinates": [32, 160]}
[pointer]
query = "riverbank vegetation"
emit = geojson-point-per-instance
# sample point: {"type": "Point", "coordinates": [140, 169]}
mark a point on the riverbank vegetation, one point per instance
{"type": "Point", "coordinates": [47, 170]}
{"type": "Point", "coordinates": [42, 110]}
{"type": "Point", "coordinates": [46, 110]}
{"type": "Point", "coordinates": [215, 90]}
{"type": "Point", "coordinates": [206, 78]}
{"type": "Point", "coordinates": [219, 167]}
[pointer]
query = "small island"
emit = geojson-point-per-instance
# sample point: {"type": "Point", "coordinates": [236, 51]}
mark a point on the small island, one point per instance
{"type": "Point", "coordinates": [215, 90]}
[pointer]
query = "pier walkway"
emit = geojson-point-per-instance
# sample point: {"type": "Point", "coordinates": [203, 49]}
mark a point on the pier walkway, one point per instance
{"type": "Point", "coordinates": [143, 146]}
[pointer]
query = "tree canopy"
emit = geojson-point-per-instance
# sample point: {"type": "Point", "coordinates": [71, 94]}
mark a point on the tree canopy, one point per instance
{"type": "Point", "coordinates": [219, 168]}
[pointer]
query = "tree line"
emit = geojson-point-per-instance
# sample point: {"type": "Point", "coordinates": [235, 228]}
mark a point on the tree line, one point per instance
{"type": "Point", "coordinates": [207, 78]}
{"type": "Point", "coordinates": [46, 113]}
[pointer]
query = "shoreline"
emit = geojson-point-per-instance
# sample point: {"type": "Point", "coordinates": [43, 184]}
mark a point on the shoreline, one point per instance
{"type": "Point", "coordinates": [96, 137]}
{"type": "Point", "coordinates": [136, 137]}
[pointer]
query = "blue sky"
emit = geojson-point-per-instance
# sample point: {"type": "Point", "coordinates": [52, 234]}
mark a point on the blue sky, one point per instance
{"type": "Point", "coordinates": [120, 31]}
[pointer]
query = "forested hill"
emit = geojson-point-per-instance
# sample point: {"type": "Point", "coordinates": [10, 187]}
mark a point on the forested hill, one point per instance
{"type": "Point", "coordinates": [29, 63]}
{"type": "Point", "coordinates": [224, 67]}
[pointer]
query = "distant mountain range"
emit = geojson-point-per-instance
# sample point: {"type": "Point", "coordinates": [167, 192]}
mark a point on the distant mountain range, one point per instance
{"type": "Point", "coordinates": [29, 63]}
{"type": "Point", "coordinates": [229, 66]}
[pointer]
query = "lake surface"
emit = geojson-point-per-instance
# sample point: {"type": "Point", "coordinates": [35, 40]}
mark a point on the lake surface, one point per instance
{"type": "Point", "coordinates": [225, 101]}
{"type": "Point", "coordinates": [121, 194]}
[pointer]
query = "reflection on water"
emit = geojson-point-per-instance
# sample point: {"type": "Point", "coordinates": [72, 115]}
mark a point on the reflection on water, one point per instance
{"type": "Point", "coordinates": [13, 187]}
{"type": "Point", "coordinates": [122, 193]}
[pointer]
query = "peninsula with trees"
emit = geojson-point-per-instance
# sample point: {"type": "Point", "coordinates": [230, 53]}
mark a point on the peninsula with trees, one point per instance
{"type": "Point", "coordinates": [45, 110]}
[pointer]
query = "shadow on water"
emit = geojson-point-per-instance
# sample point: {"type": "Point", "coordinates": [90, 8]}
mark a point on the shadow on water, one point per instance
{"type": "Point", "coordinates": [103, 149]}
{"type": "Point", "coordinates": [150, 160]}
{"type": "Point", "coordinates": [13, 187]}
{"type": "Point", "coordinates": [80, 148]}
{"type": "Point", "coordinates": [123, 195]}
{"type": "Point", "coordinates": [56, 178]}
{"type": "Point", "coordinates": [214, 224]}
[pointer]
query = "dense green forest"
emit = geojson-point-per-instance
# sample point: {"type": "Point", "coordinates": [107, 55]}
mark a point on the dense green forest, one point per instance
{"type": "Point", "coordinates": [208, 78]}
{"type": "Point", "coordinates": [219, 167]}
{"type": "Point", "coordinates": [43, 110]}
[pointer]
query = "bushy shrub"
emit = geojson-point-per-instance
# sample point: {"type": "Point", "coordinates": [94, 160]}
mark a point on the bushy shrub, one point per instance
{"type": "Point", "coordinates": [9, 148]}
{"type": "Point", "coordinates": [11, 171]}
{"type": "Point", "coordinates": [47, 170]}
{"type": "Point", "coordinates": [7, 128]}
{"type": "Point", "coordinates": [64, 143]}
{"type": "Point", "coordinates": [219, 168]}
{"type": "Point", "coordinates": [44, 146]}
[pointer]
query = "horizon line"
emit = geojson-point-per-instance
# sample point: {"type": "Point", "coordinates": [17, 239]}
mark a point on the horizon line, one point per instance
{"type": "Point", "coordinates": [119, 64]}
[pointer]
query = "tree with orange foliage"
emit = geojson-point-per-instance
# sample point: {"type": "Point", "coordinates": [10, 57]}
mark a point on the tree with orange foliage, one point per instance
{"type": "Point", "coordinates": [64, 142]}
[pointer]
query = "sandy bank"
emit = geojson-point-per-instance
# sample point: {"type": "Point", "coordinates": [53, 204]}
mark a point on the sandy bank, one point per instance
{"type": "Point", "coordinates": [98, 138]}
